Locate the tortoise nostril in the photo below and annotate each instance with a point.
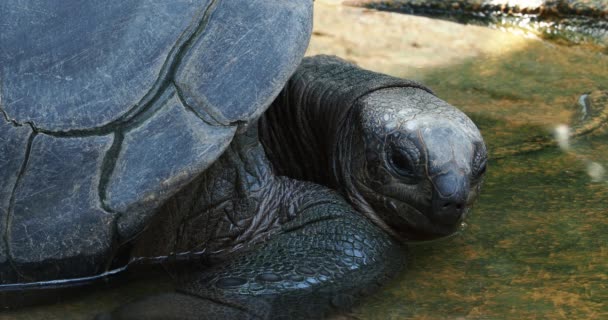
(449, 198)
(448, 211)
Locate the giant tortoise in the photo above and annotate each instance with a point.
(136, 128)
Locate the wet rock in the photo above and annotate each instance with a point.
(546, 9)
(575, 20)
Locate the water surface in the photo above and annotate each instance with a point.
(537, 242)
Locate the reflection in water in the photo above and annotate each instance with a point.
(536, 249)
(562, 136)
(595, 170)
(537, 245)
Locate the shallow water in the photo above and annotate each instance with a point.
(536, 246)
(537, 242)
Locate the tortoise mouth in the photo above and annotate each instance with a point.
(408, 222)
(414, 224)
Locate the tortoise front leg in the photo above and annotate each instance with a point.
(321, 261)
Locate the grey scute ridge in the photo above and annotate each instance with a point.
(13, 147)
(100, 64)
(159, 157)
(57, 227)
(245, 55)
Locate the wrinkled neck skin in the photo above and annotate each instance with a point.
(408, 161)
(307, 132)
(296, 139)
(311, 142)
(349, 153)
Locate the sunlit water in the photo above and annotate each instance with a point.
(536, 245)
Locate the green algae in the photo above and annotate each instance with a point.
(537, 242)
(537, 249)
(518, 98)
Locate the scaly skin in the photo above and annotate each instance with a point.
(392, 148)
(318, 245)
(409, 163)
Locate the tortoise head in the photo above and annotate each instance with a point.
(415, 164)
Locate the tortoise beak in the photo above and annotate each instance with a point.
(449, 199)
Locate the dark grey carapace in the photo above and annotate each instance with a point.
(137, 129)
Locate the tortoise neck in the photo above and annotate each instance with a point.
(302, 128)
(299, 130)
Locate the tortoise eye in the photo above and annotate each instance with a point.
(401, 163)
(480, 162)
(482, 168)
(402, 157)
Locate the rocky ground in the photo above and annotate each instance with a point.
(548, 9)
(401, 44)
(503, 74)
(573, 21)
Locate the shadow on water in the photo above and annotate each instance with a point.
(88, 301)
(537, 242)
